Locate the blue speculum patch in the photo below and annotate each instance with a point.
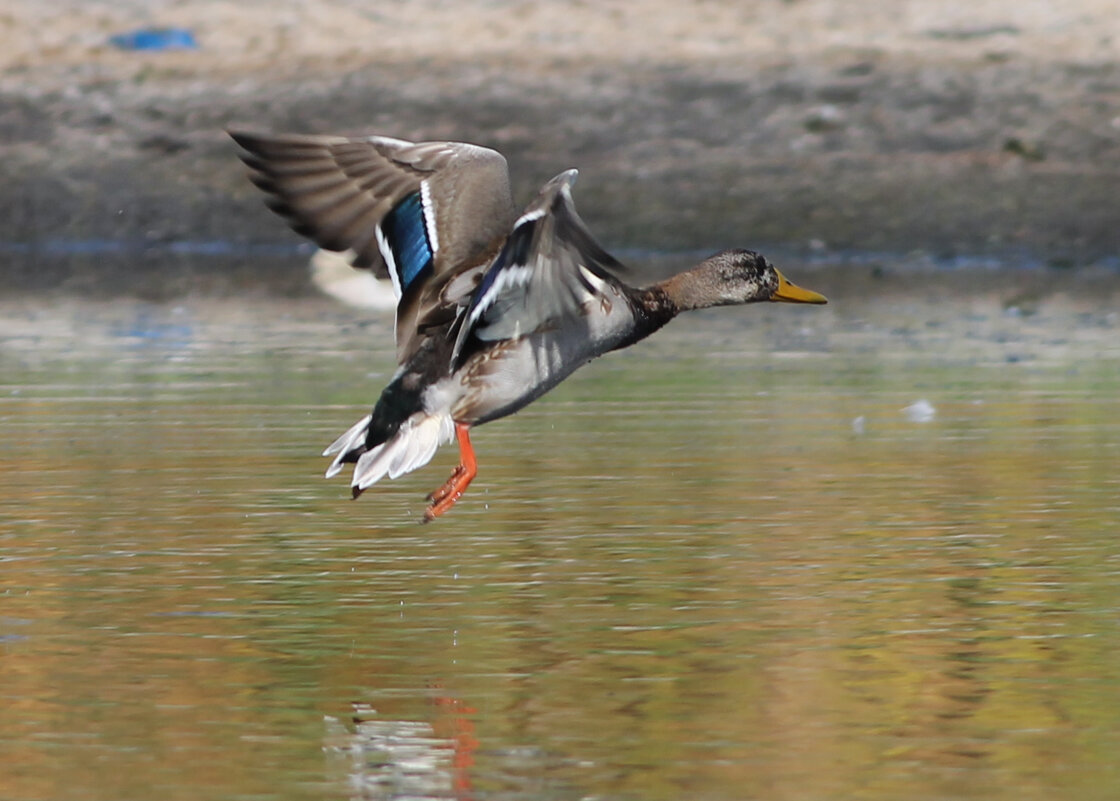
(407, 234)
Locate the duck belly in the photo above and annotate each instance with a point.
(513, 373)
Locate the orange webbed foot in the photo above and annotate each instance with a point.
(446, 496)
(435, 496)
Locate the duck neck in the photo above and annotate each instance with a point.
(656, 305)
(687, 291)
(653, 309)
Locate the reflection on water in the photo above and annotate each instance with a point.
(685, 573)
(406, 758)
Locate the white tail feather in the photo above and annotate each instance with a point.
(353, 437)
(411, 447)
(349, 439)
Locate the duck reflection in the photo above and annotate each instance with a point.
(421, 760)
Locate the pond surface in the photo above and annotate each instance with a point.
(866, 551)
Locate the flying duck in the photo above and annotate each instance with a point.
(494, 308)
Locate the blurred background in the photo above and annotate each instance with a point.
(982, 132)
(865, 550)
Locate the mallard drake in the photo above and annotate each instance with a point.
(494, 308)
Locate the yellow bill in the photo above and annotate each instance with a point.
(792, 293)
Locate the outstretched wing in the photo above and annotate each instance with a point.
(418, 213)
(550, 268)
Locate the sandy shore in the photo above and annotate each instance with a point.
(991, 130)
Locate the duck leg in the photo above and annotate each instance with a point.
(444, 497)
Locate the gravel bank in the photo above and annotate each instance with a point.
(990, 131)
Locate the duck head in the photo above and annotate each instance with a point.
(732, 277)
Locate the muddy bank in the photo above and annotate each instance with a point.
(949, 137)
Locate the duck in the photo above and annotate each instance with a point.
(496, 305)
(332, 274)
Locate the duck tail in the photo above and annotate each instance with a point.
(412, 446)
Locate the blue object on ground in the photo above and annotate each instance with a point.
(155, 39)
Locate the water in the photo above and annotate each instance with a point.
(724, 565)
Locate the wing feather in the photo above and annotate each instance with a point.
(337, 192)
(550, 268)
